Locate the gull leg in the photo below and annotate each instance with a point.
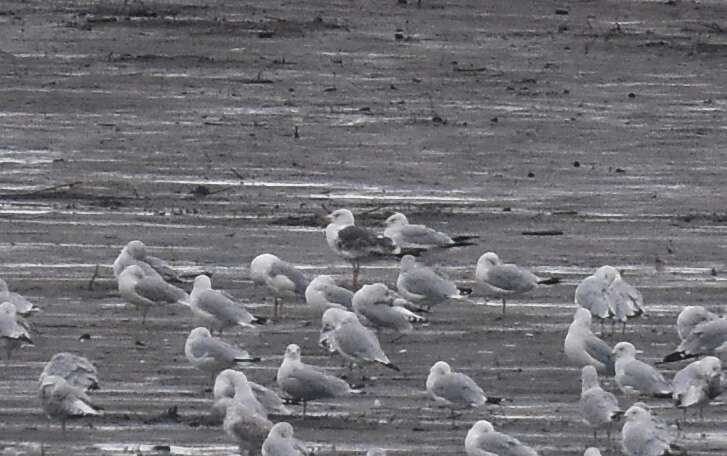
(503, 307)
(275, 308)
(356, 267)
(304, 407)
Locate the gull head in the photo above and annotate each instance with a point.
(3, 286)
(202, 282)
(440, 368)
(624, 349)
(322, 281)
(8, 308)
(136, 249)
(283, 430)
(488, 260)
(636, 413)
(607, 273)
(710, 366)
(396, 219)
(482, 427)
(292, 352)
(341, 217)
(408, 262)
(199, 332)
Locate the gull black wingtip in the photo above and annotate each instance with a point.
(549, 281)
(676, 356)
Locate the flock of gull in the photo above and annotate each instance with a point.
(351, 322)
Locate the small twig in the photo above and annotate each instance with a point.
(543, 233)
(223, 189)
(54, 187)
(237, 174)
(469, 70)
(369, 211)
(93, 278)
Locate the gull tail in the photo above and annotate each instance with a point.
(414, 251)
(494, 400)
(258, 320)
(465, 238)
(464, 291)
(617, 414)
(250, 359)
(676, 356)
(675, 450)
(662, 395)
(549, 281)
(390, 365)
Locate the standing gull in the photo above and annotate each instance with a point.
(76, 370)
(377, 304)
(625, 300)
(23, 307)
(592, 293)
(599, 408)
(697, 384)
(640, 436)
(501, 280)
(147, 291)
(301, 382)
(583, 348)
(483, 440)
(404, 234)
(708, 338)
(422, 286)
(134, 253)
(14, 330)
(354, 243)
(280, 277)
(357, 343)
(280, 442)
(330, 321)
(211, 355)
(61, 400)
(592, 451)
(217, 310)
(454, 390)
(323, 293)
(635, 376)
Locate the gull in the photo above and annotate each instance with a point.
(599, 408)
(61, 400)
(74, 369)
(323, 293)
(404, 234)
(690, 317)
(625, 301)
(248, 428)
(13, 329)
(212, 355)
(501, 280)
(376, 452)
(23, 307)
(225, 388)
(357, 344)
(134, 253)
(483, 440)
(356, 244)
(592, 293)
(634, 376)
(301, 382)
(707, 338)
(280, 277)
(592, 451)
(454, 390)
(378, 305)
(697, 384)
(147, 291)
(640, 436)
(280, 442)
(422, 286)
(583, 348)
(216, 309)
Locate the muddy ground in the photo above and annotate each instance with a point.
(215, 130)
